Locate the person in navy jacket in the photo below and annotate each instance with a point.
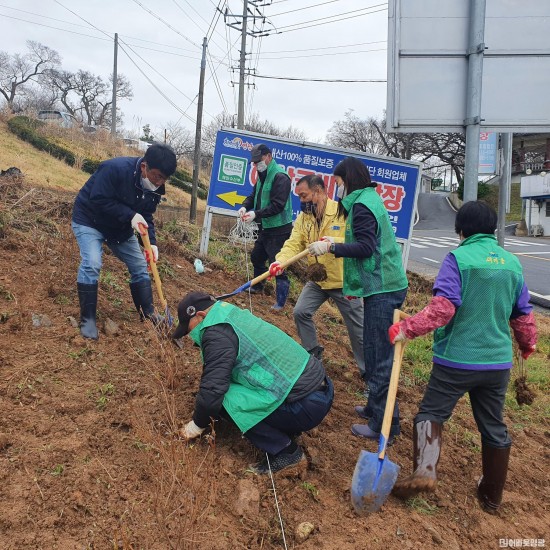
(118, 199)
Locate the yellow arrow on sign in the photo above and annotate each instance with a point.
(232, 198)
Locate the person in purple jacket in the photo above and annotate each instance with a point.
(118, 199)
(479, 293)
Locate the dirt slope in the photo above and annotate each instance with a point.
(88, 457)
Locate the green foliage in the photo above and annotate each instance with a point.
(57, 470)
(484, 190)
(26, 129)
(182, 180)
(422, 506)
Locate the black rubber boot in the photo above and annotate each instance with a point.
(282, 288)
(426, 451)
(87, 296)
(142, 294)
(491, 484)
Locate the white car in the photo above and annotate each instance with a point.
(64, 119)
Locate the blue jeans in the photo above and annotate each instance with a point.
(379, 355)
(90, 242)
(275, 432)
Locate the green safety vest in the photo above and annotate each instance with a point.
(383, 271)
(262, 199)
(492, 281)
(268, 364)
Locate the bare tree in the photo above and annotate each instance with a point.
(182, 140)
(370, 136)
(17, 71)
(87, 96)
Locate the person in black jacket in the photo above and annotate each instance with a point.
(120, 197)
(270, 205)
(253, 372)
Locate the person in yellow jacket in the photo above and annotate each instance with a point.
(318, 218)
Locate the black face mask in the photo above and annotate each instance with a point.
(308, 208)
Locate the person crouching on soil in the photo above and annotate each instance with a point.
(268, 384)
(478, 294)
(120, 197)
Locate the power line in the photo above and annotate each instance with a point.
(330, 47)
(87, 26)
(217, 83)
(155, 86)
(324, 54)
(336, 15)
(375, 80)
(165, 22)
(306, 8)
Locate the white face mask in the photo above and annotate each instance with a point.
(340, 192)
(146, 184)
(261, 166)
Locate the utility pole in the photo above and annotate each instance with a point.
(476, 48)
(240, 111)
(505, 179)
(198, 131)
(115, 77)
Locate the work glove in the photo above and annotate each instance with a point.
(155, 250)
(318, 248)
(396, 334)
(526, 352)
(249, 216)
(191, 430)
(139, 224)
(329, 239)
(241, 212)
(275, 269)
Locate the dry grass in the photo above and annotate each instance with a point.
(44, 171)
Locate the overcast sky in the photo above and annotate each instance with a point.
(167, 35)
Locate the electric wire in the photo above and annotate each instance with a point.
(164, 22)
(337, 80)
(306, 8)
(216, 82)
(155, 86)
(330, 47)
(324, 54)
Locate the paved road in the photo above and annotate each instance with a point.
(434, 236)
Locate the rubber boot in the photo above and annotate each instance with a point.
(426, 451)
(491, 484)
(87, 296)
(142, 294)
(282, 288)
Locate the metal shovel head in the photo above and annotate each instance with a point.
(372, 482)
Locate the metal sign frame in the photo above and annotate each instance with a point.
(428, 53)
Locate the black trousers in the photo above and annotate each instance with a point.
(266, 247)
(487, 391)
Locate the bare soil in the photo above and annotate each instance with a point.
(88, 452)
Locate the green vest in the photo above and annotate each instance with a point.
(268, 364)
(492, 280)
(262, 199)
(383, 271)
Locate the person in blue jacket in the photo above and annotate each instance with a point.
(120, 197)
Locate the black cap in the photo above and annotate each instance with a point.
(258, 151)
(188, 307)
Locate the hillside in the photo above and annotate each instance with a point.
(88, 452)
(45, 171)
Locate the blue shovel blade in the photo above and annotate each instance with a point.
(372, 482)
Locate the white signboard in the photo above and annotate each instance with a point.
(427, 66)
(535, 187)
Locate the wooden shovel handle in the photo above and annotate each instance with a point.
(284, 265)
(398, 315)
(153, 266)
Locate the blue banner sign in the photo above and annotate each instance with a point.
(233, 176)
(487, 153)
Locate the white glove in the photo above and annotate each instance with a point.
(138, 220)
(155, 250)
(318, 248)
(191, 430)
(249, 216)
(241, 212)
(329, 239)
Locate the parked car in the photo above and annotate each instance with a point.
(64, 119)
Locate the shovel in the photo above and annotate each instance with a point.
(156, 277)
(375, 475)
(264, 276)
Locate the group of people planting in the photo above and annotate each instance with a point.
(271, 387)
